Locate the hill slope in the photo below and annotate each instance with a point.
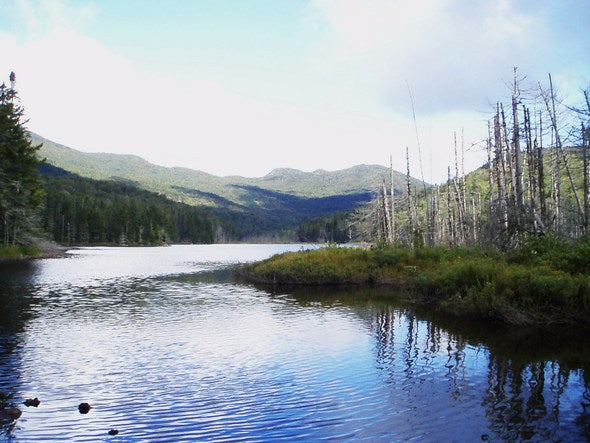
(282, 199)
(173, 181)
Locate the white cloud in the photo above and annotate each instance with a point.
(453, 54)
(79, 94)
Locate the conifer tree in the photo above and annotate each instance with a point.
(20, 187)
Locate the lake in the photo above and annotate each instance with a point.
(166, 345)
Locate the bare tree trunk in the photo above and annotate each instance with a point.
(463, 180)
(449, 210)
(516, 151)
(556, 169)
(428, 227)
(392, 199)
(409, 191)
(511, 212)
(532, 175)
(501, 171)
(585, 147)
(541, 173)
(387, 217)
(433, 220)
(490, 182)
(559, 146)
(460, 215)
(378, 216)
(458, 196)
(439, 223)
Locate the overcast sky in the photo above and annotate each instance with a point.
(245, 86)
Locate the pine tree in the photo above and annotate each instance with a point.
(20, 188)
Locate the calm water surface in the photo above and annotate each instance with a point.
(167, 346)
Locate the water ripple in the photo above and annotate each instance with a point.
(184, 353)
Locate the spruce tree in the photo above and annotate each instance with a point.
(20, 187)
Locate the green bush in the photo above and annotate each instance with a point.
(19, 251)
(389, 257)
(578, 260)
(458, 277)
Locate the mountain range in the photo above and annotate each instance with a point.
(280, 200)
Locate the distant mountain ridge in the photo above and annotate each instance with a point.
(282, 199)
(171, 180)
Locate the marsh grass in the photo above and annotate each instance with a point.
(17, 252)
(545, 280)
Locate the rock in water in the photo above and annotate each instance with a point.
(84, 408)
(32, 402)
(10, 413)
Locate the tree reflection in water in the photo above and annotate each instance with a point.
(15, 311)
(528, 372)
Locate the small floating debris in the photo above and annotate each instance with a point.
(84, 408)
(10, 413)
(113, 432)
(35, 402)
(485, 437)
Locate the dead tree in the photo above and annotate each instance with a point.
(388, 237)
(490, 181)
(516, 154)
(500, 166)
(559, 146)
(540, 170)
(585, 148)
(409, 196)
(450, 211)
(392, 199)
(458, 197)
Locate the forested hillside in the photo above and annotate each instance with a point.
(79, 210)
(197, 187)
(82, 211)
(267, 208)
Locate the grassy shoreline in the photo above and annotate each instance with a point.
(545, 281)
(9, 253)
(42, 249)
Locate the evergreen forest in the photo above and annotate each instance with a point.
(81, 211)
(21, 194)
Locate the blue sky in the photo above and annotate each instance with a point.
(242, 87)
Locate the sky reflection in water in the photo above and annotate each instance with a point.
(166, 346)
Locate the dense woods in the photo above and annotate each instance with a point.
(536, 181)
(334, 228)
(83, 211)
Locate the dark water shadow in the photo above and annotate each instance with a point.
(16, 309)
(529, 370)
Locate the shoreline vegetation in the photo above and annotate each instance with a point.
(545, 281)
(38, 250)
